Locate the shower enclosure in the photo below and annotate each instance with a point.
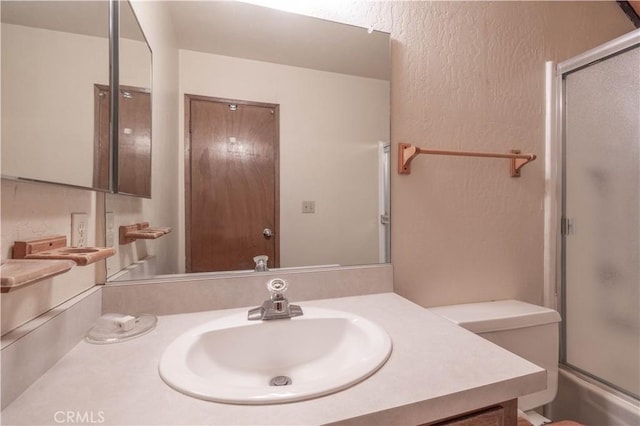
(598, 101)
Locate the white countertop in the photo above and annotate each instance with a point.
(436, 370)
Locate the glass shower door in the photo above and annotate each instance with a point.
(601, 220)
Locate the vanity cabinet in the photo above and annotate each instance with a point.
(414, 386)
(503, 414)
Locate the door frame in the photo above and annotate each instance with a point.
(555, 156)
(101, 152)
(187, 170)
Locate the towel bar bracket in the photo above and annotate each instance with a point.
(407, 152)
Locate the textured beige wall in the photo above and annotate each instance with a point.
(474, 77)
(470, 76)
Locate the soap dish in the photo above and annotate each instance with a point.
(116, 328)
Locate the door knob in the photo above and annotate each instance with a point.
(267, 232)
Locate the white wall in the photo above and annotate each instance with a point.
(162, 208)
(32, 210)
(330, 126)
(48, 78)
(135, 64)
(41, 73)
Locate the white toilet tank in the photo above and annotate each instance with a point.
(527, 330)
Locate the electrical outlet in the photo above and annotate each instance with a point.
(308, 207)
(79, 229)
(110, 230)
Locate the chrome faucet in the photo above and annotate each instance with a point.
(277, 306)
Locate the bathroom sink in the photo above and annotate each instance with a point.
(233, 360)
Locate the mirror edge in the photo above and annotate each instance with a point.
(114, 152)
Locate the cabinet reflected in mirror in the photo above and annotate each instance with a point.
(55, 55)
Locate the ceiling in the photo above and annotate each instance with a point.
(248, 31)
(78, 17)
(233, 28)
(229, 28)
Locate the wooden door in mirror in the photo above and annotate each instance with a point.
(134, 141)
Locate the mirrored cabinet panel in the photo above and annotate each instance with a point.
(133, 172)
(55, 83)
(56, 95)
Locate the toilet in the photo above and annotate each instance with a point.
(527, 330)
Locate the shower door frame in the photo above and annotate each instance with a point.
(554, 296)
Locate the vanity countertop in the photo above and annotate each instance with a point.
(436, 370)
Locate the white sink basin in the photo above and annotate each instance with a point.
(233, 360)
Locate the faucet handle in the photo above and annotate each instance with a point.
(277, 286)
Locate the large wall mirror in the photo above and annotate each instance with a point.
(320, 91)
(55, 59)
